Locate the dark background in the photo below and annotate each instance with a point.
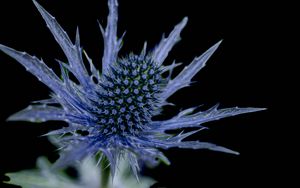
(249, 69)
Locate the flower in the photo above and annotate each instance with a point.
(112, 112)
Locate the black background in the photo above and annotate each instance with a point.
(249, 69)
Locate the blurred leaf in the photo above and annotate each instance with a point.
(89, 177)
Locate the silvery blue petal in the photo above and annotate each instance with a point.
(166, 44)
(183, 79)
(111, 44)
(197, 119)
(72, 52)
(38, 113)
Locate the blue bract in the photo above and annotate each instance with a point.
(112, 112)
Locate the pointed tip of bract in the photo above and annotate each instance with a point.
(215, 46)
(77, 37)
(10, 118)
(185, 20)
(5, 49)
(260, 109)
(220, 41)
(11, 52)
(38, 6)
(183, 23)
(14, 117)
(232, 152)
(42, 11)
(224, 150)
(252, 109)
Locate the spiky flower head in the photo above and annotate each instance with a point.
(112, 112)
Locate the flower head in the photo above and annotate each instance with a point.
(112, 112)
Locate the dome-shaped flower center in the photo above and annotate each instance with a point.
(130, 95)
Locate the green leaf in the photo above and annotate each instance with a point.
(89, 177)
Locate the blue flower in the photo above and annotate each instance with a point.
(112, 112)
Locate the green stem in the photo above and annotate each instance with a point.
(105, 173)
